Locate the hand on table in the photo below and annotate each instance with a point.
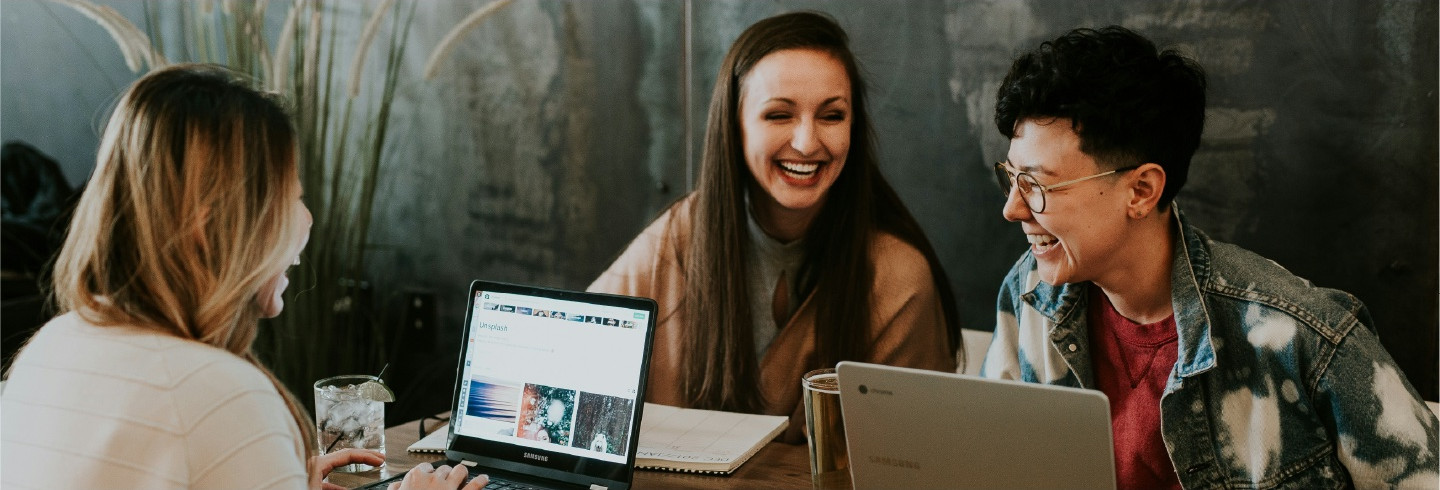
(326, 463)
(424, 476)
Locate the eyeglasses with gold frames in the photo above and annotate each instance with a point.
(1032, 190)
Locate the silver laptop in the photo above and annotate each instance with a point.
(549, 387)
(925, 429)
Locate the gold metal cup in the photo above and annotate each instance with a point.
(825, 429)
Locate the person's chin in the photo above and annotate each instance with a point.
(272, 308)
(271, 303)
(799, 204)
(1052, 274)
(802, 199)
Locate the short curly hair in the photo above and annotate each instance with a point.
(1129, 102)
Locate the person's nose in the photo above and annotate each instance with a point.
(1015, 208)
(804, 139)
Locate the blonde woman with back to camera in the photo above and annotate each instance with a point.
(178, 247)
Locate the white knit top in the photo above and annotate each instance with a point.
(766, 261)
(122, 407)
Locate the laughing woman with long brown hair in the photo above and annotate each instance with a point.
(178, 247)
(793, 253)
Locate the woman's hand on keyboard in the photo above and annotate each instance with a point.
(424, 476)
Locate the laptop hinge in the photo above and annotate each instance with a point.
(597, 486)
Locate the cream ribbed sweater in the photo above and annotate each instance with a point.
(120, 407)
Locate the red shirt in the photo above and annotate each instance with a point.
(1132, 362)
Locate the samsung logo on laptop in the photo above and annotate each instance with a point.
(536, 457)
(896, 462)
(865, 390)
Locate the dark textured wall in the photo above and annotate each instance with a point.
(1320, 150)
(559, 129)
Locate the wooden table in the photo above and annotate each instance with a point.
(777, 465)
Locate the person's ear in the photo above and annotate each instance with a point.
(1147, 184)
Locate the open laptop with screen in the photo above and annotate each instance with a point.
(550, 386)
(927, 429)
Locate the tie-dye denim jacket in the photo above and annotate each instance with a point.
(1278, 383)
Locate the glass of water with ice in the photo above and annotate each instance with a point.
(350, 412)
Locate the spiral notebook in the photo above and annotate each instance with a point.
(702, 441)
(434, 442)
(680, 439)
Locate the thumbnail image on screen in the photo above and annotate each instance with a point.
(603, 423)
(496, 402)
(545, 414)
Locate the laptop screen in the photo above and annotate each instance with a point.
(552, 379)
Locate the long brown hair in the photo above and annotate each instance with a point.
(187, 215)
(722, 371)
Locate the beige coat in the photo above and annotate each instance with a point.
(908, 327)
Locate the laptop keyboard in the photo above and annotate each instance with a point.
(496, 482)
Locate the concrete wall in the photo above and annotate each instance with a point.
(559, 129)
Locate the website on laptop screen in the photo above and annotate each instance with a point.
(552, 374)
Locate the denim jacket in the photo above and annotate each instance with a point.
(1277, 383)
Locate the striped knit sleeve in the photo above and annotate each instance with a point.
(238, 432)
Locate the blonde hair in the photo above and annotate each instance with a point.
(188, 215)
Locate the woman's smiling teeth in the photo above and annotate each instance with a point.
(1042, 243)
(800, 170)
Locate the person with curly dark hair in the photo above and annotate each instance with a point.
(1221, 367)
